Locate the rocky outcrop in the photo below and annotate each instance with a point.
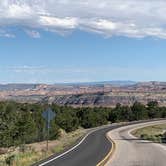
(102, 94)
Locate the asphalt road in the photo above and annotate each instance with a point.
(131, 151)
(90, 152)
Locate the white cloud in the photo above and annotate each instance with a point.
(19, 11)
(64, 23)
(33, 33)
(27, 69)
(4, 33)
(130, 18)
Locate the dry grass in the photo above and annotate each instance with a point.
(37, 151)
(153, 133)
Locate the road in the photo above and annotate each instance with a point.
(131, 151)
(91, 151)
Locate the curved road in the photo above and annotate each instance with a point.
(90, 152)
(131, 151)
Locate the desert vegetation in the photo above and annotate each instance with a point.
(22, 124)
(155, 133)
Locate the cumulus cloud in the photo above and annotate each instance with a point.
(131, 18)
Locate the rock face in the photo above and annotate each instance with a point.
(90, 94)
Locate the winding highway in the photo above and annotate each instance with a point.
(90, 152)
(131, 151)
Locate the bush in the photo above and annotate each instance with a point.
(144, 136)
(23, 123)
(164, 138)
(10, 160)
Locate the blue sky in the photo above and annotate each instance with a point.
(71, 46)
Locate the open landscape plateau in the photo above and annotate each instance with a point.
(105, 94)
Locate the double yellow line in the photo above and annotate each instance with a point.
(109, 155)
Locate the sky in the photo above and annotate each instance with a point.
(56, 41)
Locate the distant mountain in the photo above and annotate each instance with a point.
(120, 83)
(115, 83)
(12, 87)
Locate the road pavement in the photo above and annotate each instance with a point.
(131, 151)
(89, 153)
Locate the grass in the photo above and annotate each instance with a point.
(153, 133)
(37, 151)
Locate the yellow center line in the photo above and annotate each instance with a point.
(108, 156)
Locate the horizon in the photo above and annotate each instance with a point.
(92, 82)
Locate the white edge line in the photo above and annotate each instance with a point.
(73, 147)
(98, 128)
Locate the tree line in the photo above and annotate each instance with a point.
(23, 123)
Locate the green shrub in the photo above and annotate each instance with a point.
(10, 160)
